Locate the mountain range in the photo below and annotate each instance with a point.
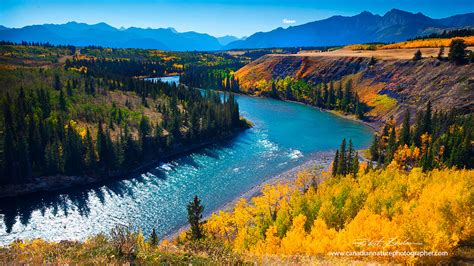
(395, 25)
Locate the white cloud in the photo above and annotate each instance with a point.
(289, 21)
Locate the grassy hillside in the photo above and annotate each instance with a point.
(388, 87)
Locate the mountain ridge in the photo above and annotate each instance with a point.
(395, 25)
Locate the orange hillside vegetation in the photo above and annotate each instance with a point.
(425, 43)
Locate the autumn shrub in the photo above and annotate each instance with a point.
(430, 211)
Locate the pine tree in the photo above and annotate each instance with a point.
(374, 149)
(195, 210)
(69, 88)
(335, 163)
(274, 91)
(441, 53)
(91, 157)
(418, 129)
(144, 130)
(57, 83)
(426, 124)
(350, 156)
(342, 162)
(62, 101)
(355, 165)
(391, 146)
(372, 61)
(102, 147)
(153, 238)
(457, 52)
(73, 152)
(417, 56)
(346, 98)
(10, 168)
(405, 133)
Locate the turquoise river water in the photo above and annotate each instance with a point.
(285, 135)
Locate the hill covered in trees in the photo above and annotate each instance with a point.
(85, 118)
(384, 87)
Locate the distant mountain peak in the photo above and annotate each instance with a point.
(103, 26)
(173, 30)
(365, 13)
(224, 40)
(395, 25)
(398, 11)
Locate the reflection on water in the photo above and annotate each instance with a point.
(170, 79)
(285, 135)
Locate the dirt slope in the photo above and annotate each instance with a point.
(389, 86)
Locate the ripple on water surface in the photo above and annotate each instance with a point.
(285, 135)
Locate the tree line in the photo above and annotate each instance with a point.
(207, 78)
(331, 96)
(116, 68)
(446, 34)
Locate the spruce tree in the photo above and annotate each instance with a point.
(57, 83)
(374, 149)
(355, 165)
(10, 167)
(417, 56)
(102, 146)
(144, 130)
(391, 146)
(335, 163)
(91, 157)
(441, 53)
(153, 238)
(346, 98)
(195, 210)
(350, 156)
(405, 133)
(426, 124)
(457, 52)
(342, 163)
(62, 101)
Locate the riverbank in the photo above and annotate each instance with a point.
(319, 161)
(376, 125)
(45, 184)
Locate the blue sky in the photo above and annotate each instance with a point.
(216, 17)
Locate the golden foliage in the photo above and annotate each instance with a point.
(420, 211)
(425, 43)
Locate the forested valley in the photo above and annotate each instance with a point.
(93, 117)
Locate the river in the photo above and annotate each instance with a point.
(285, 135)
